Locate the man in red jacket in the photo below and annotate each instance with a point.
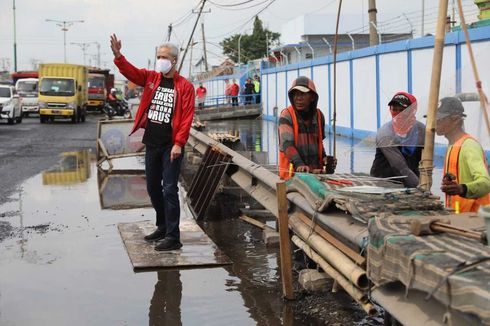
(165, 112)
(234, 91)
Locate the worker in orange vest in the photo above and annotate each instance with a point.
(466, 181)
(301, 133)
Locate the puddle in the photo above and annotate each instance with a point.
(63, 263)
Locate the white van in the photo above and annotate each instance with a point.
(27, 89)
(10, 107)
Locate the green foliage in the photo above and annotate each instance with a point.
(252, 46)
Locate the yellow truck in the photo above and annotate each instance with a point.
(63, 92)
(73, 167)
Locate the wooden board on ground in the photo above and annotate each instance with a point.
(197, 251)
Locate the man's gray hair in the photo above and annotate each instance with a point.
(174, 50)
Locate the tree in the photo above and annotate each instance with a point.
(252, 46)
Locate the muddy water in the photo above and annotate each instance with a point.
(62, 261)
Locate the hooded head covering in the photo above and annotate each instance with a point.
(305, 85)
(403, 121)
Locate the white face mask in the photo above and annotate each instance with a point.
(163, 65)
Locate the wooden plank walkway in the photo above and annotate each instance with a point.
(198, 249)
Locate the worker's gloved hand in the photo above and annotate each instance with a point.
(303, 168)
(329, 163)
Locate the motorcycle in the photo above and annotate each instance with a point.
(117, 108)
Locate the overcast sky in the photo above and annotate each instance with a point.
(142, 24)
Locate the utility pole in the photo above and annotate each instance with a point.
(64, 24)
(373, 32)
(84, 47)
(169, 32)
(204, 48)
(423, 19)
(98, 52)
(190, 59)
(15, 40)
(192, 34)
(154, 60)
(267, 46)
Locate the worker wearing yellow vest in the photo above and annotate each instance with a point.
(466, 181)
(301, 133)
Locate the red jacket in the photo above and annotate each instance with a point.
(235, 89)
(150, 80)
(201, 92)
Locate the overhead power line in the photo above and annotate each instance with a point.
(246, 22)
(230, 5)
(203, 2)
(243, 8)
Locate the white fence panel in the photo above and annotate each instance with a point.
(365, 94)
(343, 94)
(320, 77)
(392, 78)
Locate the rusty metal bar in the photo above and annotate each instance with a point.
(199, 173)
(215, 177)
(201, 185)
(206, 180)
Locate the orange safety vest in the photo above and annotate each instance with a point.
(285, 172)
(451, 165)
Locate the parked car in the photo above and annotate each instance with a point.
(10, 104)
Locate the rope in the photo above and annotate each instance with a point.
(427, 172)
(483, 98)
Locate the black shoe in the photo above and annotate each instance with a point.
(155, 236)
(168, 244)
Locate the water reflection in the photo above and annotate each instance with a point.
(167, 297)
(122, 190)
(259, 142)
(255, 273)
(73, 167)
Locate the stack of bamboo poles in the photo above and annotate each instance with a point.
(339, 261)
(198, 125)
(231, 136)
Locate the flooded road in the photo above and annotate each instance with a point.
(62, 261)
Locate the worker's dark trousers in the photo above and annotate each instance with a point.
(162, 177)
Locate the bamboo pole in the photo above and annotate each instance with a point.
(353, 291)
(331, 254)
(284, 244)
(483, 98)
(427, 161)
(254, 222)
(334, 118)
(356, 257)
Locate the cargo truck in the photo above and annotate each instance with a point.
(63, 92)
(100, 82)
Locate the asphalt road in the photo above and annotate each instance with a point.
(30, 147)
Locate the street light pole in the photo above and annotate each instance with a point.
(15, 40)
(239, 53)
(98, 52)
(64, 24)
(84, 47)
